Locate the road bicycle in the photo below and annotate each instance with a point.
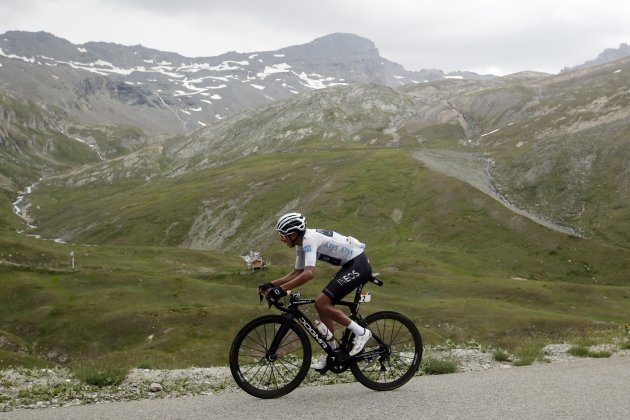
(271, 355)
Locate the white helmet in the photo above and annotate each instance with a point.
(291, 222)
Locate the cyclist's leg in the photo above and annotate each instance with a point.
(329, 314)
(352, 274)
(347, 279)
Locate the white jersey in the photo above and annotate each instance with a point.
(328, 246)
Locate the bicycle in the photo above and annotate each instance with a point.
(271, 355)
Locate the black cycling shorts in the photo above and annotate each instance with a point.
(353, 273)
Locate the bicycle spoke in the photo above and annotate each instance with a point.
(393, 359)
(267, 375)
(272, 375)
(262, 350)
(284, 344)
(281, 375)
(262, 377)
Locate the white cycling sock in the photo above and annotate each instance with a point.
(356, 328)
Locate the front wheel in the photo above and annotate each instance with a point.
(392, 356)
(261, 373)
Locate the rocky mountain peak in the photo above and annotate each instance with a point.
(164, 92)
(606, 56)
(337, 45)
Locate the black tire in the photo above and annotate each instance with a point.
(264, 378)
(398, 365)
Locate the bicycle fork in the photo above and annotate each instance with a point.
(272, 352)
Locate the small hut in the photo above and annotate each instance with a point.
(254, 261)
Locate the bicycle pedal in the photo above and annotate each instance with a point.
(322, 371)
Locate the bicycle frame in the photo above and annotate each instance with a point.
(292, 312)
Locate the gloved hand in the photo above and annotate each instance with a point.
(262, 288)
(276, 293)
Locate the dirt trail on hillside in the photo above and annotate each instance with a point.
(477, 171)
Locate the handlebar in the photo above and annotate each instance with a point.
(277, 303)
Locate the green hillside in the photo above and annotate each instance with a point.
(157, 234)
(38, 140)
(457, 262)
(384, 196)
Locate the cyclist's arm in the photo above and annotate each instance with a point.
(283, 280)
(296, 281)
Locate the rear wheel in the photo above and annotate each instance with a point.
(266, 375)
(395, 349)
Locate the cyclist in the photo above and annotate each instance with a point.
(334, 248)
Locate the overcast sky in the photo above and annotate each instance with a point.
(485, 36)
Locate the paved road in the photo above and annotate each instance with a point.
(584, 389)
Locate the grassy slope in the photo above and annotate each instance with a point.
(560, 143)
(569, 160)
(453, 260)
(408, 214)
(115, 299)
(37, 140)
(33, 143)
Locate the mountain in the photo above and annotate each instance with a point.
(551, 148)
(540, 144)
(166, 93)
(606, 56)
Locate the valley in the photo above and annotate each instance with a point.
(496, 209)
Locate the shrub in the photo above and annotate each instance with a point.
(101, 374)
(599, 354)
(66, 391)
(501, 356)
(527, 355)
(432, 366)
(524, 361)
(578, 351)
(581, 351)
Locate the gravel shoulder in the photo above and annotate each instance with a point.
(22, 389)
